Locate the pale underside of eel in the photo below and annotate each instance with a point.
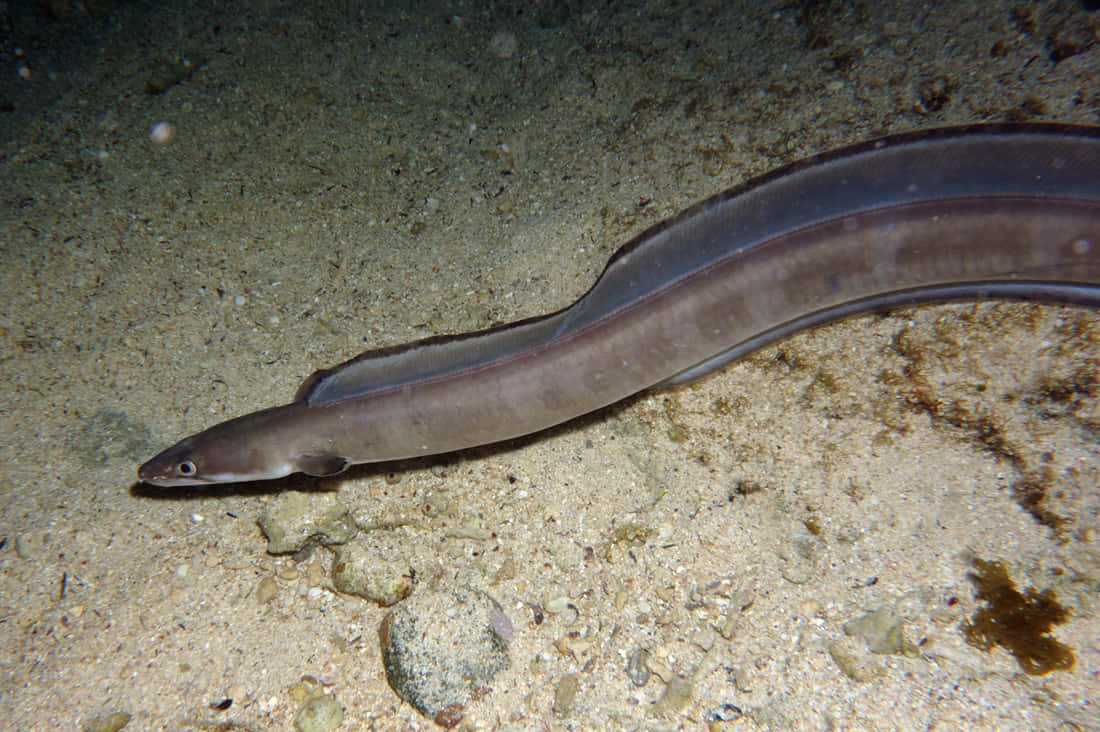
(986, 211)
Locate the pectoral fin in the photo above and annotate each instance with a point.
(321, 465)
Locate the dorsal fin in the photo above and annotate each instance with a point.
(386, 368)
(306, 386)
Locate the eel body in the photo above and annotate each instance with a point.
(986, 211)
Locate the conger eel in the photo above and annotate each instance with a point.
(1000, 210)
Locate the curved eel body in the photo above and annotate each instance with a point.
(1005, 211)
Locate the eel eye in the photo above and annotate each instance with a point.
(186, 469)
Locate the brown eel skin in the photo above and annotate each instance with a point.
(984, 211)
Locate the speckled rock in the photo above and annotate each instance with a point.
(441, 648)
(294, 518)
(372, 567)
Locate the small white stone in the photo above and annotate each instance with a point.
(162, 133)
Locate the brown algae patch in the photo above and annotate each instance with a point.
(1018, 622)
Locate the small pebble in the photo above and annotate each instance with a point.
(112, 722)
(725, 713)
(315, 575)
(162, 133)
(321, 713)
(503, 45)
(564, 693)
(883, 630)
(675, 697)
(637, 667)
(856, 665)
(266, 590)
(288, 573)
(302, 690)
(29, 545)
